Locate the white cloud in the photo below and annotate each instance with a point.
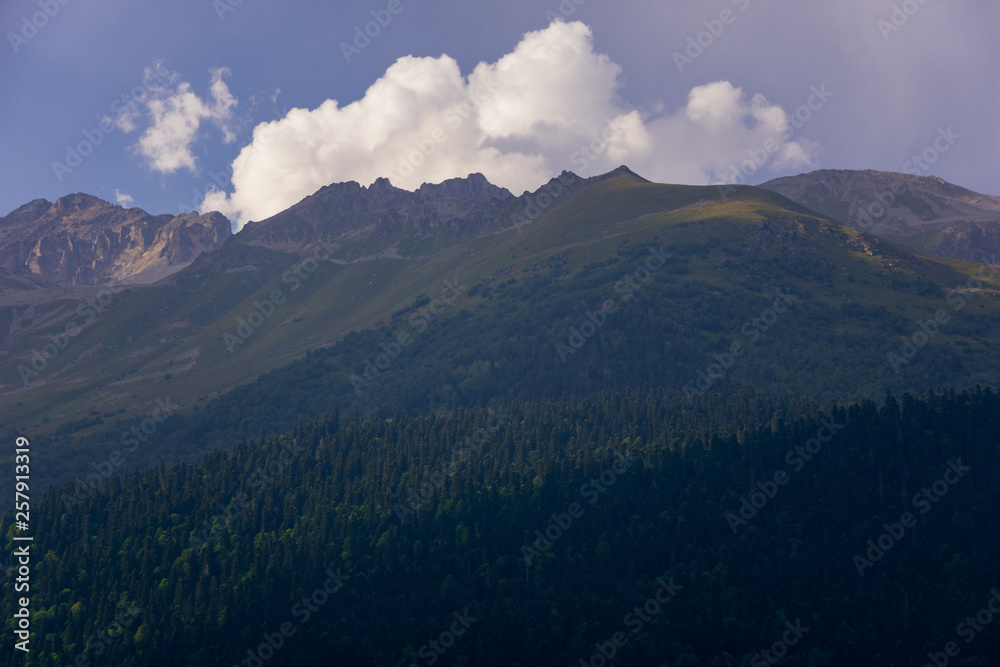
(123, 199)
(550, 104)
(719, 132)
(175, 115)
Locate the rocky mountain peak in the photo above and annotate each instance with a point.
(924, 212)
(379, 211)
(623, 172)
(83, 240)
(473, 188)
(381, 185)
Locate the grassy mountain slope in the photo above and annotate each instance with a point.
(511, 333)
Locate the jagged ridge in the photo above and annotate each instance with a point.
(82, 240)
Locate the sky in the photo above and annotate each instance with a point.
(248, 106)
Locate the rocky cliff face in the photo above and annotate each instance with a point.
(926, 213)
(379, 212)
(81, 240)
(381, 215)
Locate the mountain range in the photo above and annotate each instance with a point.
(457, 403)
(94, 343)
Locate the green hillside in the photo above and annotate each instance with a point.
(566, 305)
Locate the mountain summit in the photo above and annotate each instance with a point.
(923, 212)
(379, 212)
(81, 240)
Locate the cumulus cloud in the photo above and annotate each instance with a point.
(719, 133)
(123, 199)
(175, 114)
(550, 104)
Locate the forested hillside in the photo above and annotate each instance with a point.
(542, 533)
(803, 324)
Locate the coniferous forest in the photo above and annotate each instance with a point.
(633, 528)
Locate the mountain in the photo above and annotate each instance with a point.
(81, 240)
(382, 216)
(923, 212)
(553, 300)
(383, 220)
(472, 407)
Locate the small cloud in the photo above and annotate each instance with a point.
(123, 199)
(175, 116)
(127, 112)
(261, 98)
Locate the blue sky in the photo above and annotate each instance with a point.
(680, 91)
